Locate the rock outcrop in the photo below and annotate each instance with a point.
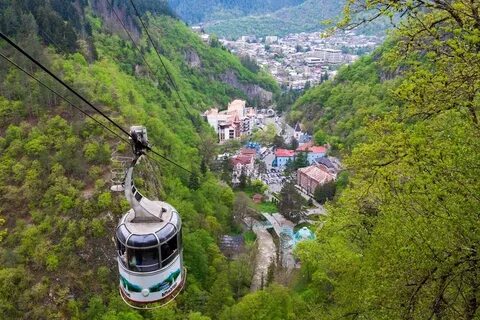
(252, 91)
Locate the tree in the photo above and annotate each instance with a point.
(293, 144)
(291, 202)
(320, 137)
(243, 179)
(227, 170)
(324, 192)
(241, 207)
(221, 295)
(261, 167)
(278, 142)
(194, 181)
(408, 230)
(275, 302)
(301, 160)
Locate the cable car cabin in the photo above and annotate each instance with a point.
(149, 245)
(150, 256)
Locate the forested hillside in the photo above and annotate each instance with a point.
(57, 214)
(402, 241)
(305, 17)
(342, 108)
(195, 11)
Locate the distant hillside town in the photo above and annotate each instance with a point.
(301, 60)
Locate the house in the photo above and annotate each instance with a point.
(297, 131)
(231, 246)
(282, 157)
(327, 163)
(243, 162)
(313, 152)
(309, 178)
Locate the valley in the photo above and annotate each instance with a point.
(284, 175)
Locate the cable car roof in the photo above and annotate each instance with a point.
(142, 234)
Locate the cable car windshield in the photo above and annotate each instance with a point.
(143, 260)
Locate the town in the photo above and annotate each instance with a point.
(301, 60)
(281, 169)
(273, 161)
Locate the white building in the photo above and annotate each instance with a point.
(233, 123)
(271, 39)
(328, 55)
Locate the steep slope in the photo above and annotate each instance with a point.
(341, 108)
(401, 241)
(57, 215)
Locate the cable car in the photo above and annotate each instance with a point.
(149, 242)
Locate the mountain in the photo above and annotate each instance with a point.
(305, 17)
(57, 214)
(401, 240)
(197, 11)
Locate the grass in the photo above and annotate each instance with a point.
(268, 207)
(249, 237)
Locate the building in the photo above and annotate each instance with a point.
(328, 55)
(309, 178)
(313, 61)
(271, 39)
(313, 152)
(282, 157)
(247, 116)
(244, 162)
(205, 38)
(233, 123)
(297, 131)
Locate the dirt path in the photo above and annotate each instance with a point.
(267, 254)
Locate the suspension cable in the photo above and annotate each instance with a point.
(62, 97)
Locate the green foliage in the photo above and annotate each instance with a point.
(305, 16)
(403, 230)
(338, 111)
(291, 202)
(276, 302)
(301, 160)
(198, 11)
(266, 135)
(268, 207)
(320, 137)
(324, 192)
(55, 165)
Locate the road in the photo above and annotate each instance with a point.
(267, 254)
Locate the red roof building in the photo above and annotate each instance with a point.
(242, 160)
(247, 151)
(284, 153)
(310, 177)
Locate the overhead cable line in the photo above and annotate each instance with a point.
(172, 82)
(168, 160)
(79, 96)
(131, 37)
(41, 66)
(62, 97)
(52, 42)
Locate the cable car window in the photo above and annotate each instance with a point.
(169, 250)
(143, 260)
(121, 253)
